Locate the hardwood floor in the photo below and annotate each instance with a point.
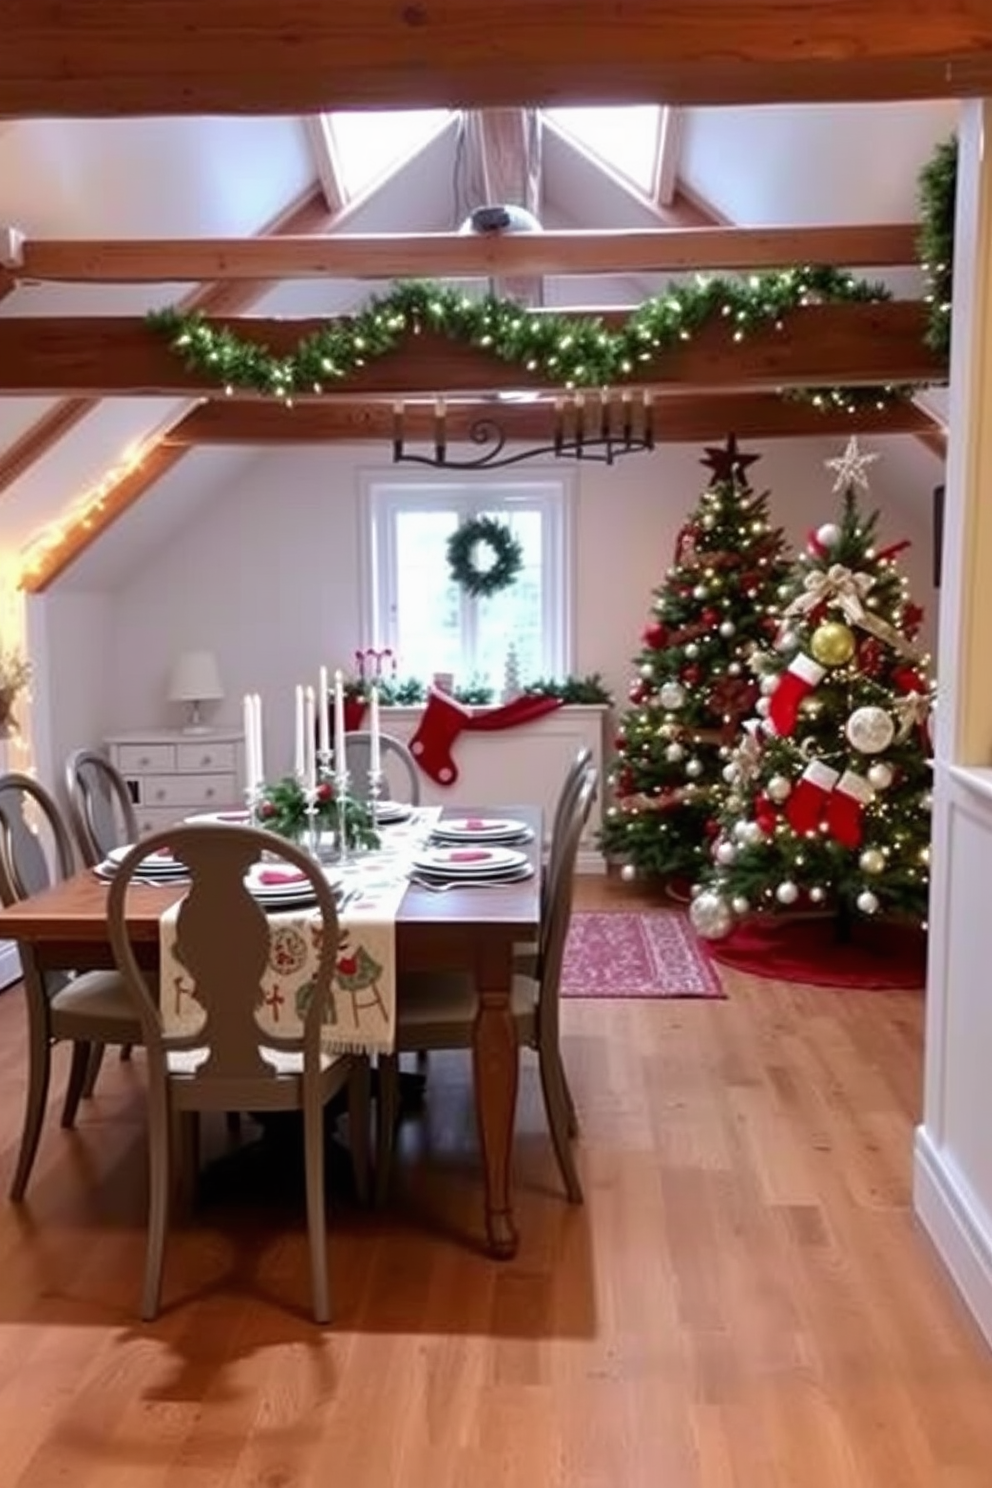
(744, 1301)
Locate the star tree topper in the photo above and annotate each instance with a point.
(727, 461)
(851, 467)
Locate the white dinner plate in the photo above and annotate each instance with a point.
(456, 861)
(159, 865)
(219, 819)
(478, 828)
(392, 811)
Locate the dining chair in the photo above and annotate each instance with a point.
(437, 1011)
(88, 1010)
(102, 815)
(526, 953)
(230, 1062)
(100, 807)
(398, 765)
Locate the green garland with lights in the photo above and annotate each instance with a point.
(935, 242)
(564, 350)
(572, 352)
(283, 809)
(507, 556)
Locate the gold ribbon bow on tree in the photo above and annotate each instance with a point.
(848, 590)
(912, 711)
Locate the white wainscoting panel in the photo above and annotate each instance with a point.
(953, 1153)
(524, 765)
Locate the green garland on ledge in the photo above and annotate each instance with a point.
(935, 243)
(283, 810)
(507, 556)
(563, 350)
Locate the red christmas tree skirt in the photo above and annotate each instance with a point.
(878, 956)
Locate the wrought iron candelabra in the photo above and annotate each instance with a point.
(585, 427)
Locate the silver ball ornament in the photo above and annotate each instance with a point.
(763, 707)
(768, 684)
(734, 669)
(786, 640)
(754, 836)
(727, 628)
(867, 902)
(829, 535)
(725, 853)
(739, 904)
(787, 893)
(700, 591)
(672, 695)
(711, 915)
(646, 669)
(674, 753)
(694, 769)
(729, 773)
(692, 650)
(880, 775)
(779, 789)
(628, 873)
(708, 522)
(870, 729)
(872, 860)
(817, 895)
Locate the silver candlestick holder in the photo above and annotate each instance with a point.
(254, 796)
(311, 799)
(342, 782)
(377, 780)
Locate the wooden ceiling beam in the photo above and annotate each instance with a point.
(678, 420)
(102, 58)
(308, 213)
(294, 255)
(45, 563)
(819, 344)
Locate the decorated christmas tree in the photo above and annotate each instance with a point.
(829, 808)
(692, 685)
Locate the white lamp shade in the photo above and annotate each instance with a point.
(195, 678)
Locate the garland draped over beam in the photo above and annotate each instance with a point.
(935, 244)
(565, 351)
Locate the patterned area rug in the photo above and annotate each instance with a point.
(620, 954)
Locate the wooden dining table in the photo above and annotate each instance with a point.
(473, 929)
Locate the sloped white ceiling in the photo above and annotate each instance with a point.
(812, 164)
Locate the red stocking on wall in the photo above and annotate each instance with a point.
(442, 722)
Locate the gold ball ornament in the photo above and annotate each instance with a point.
(832, 643)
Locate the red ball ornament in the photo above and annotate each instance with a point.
(655, 636)
(691, 675)
(710, 617)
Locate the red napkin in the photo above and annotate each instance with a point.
(476, 824)
(469, 855)
(163, 852)
(280, 875)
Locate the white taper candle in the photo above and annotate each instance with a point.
(259, 752)
(323, 721)
(375, 755)
(340, 760)
(248, 713)
(311, 741)
(299, 752)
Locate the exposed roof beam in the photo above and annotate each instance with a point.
(819, 344)
(678, 419)
(103, 58)
(325, 158)
(666, 175)
(306, 214)
(402, 255)
(53, 560)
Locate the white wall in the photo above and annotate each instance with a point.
(266, 573)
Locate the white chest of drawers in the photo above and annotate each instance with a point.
(172, 775)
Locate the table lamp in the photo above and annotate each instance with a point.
(195, 680)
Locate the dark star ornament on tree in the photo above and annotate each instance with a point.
(727, 462)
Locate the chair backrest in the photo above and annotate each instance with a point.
(581, 770)
(569, 789)
(35, 848)
(223, 942)
(398, 765)
(558, 916)
(100, 806)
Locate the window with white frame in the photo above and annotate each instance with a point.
(413, 606)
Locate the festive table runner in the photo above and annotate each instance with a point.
(362, 1011)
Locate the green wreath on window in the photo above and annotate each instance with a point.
(463, 559)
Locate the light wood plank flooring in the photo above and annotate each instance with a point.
(744, 1301)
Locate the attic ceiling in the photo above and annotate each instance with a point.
(185, 177)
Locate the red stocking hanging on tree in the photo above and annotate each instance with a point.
(845, 812)
(798, 680)
(808, 801)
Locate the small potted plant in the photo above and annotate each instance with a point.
(15, 674)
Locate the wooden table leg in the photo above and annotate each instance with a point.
(496, 1068)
